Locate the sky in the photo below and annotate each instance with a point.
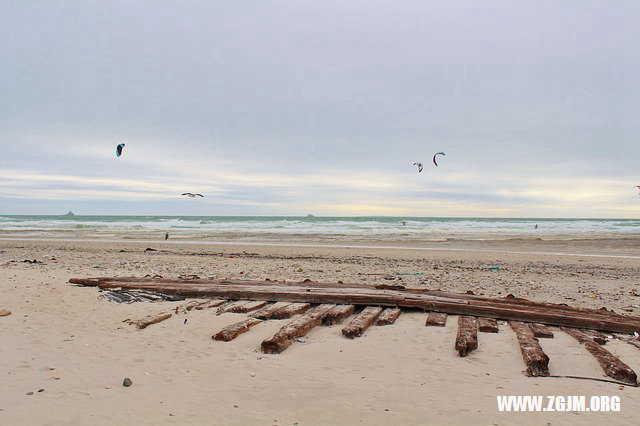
(296, 107)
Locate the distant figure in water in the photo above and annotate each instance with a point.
(166, 235)
(535, 227)
(404, 223)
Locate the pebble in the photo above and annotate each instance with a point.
(127, 382)
(29, 393)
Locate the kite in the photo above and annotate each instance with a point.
(119, 149)
(434, 157)
(419, 166)
(192, 195)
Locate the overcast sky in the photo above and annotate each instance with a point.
(296, 107)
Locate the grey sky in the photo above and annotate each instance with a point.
(288, 107)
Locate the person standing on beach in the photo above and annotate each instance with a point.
(166, 235)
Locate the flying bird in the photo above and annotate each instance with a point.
(119, 149)
(192, 195)
(419, 166)
(436, 154)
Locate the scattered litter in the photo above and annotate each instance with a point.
(593, 296)
(409, 273)
(31, 261)
(391, 278)
(185, 321)
(120, 295)
(127, 382)
(150, 249)
(494, 268)
(300, 340)
(98, 266)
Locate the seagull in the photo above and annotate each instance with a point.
(192, 195)
(419, 166)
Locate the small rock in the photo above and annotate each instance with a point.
(127, 382)
(235, 406)
(29, 393)
(40, 390)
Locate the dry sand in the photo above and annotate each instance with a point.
(66, 340)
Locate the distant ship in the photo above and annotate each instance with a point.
(310, 215)
(70, 213)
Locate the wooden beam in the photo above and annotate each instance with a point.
(229, 307)
(436, 319)
(541, 331)
(389, 316)
(232, 331)
(508, 308)
(249, 306)
(535, 359)
(488, 325)
(268, 311)
(611, 364)
(212, 304)
(338, 314)
(359, 324)
(596, 336)
(290, 310)
(297, 328)
(467, 338)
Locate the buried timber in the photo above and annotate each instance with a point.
(310, 304)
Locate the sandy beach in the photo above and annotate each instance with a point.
(75, 346)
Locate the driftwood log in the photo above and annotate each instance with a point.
(231, 306)
(389, 316)
(541, 331)
(249, 306)
(467, 338)
(488, 325)
(338, 314)
(611, 364)
(211, 304)
(151, 319)
(535, 359)
(436, 319)
(360, 323)
(299, 327)
(508, 308)
(290, 310)
(232, 331)
(267, 311)
(596, 336)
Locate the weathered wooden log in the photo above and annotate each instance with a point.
(611, 365)
(4, 312)
(488, 325)
(211, 304)
(232, 331)
(297, 328)
(269, 310)
(338, 314)
(388, 316)
(508, 308)
(535, 359)
(290, 310)
(151, 319)
(541, 331)
(596, 336)
(467, 338)
(436, 319)
(359, 324)
(229, 307)
(249, 306)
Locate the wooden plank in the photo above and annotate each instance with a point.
(338, 314)
(151, 319)
(290, 310)
(269, 310)
(436, 319)
(611, 365)
(541, 331)
(389, 316)
(229, 307)
(297, 328)
(488, 325)
(232, 331)
(535, 359)
(249, 306)
(212, 304)
(509, 308)
(359, 324)
(467, 338)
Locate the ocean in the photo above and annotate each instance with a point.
(330, 228)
